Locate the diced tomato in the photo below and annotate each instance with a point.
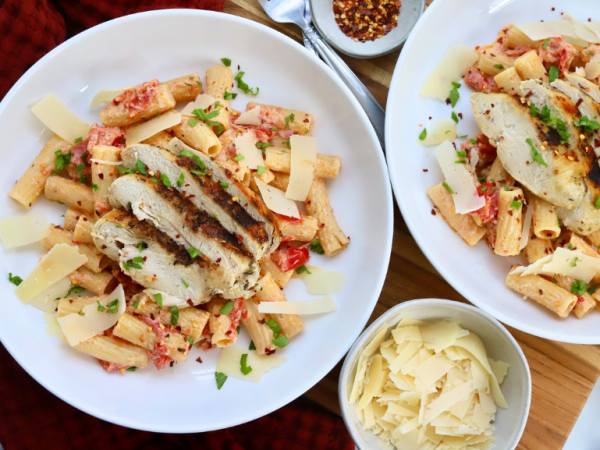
(486, 189)
(475, 79)
(291, 219)
(290, 258)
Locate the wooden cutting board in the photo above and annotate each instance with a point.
(563, 375)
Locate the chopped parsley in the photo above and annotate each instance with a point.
(316, 247)
(190, 339)
(280, 340)
(507, 188)
(185, 284)
(199, 83)
(119, 226)
(423, 134)
(180, 180)
(587, 124)
(221, 379)
(535, 154)
(229, 95)
(303, 269)
(239, 157)
(553, 73)
(100, 307)
(499, 66)
(516, 204)
(575, 262)
(570, 246)
(454, 117)
(94, 187)
(201, 174)
(448, 188)
(194, 252)
(62, 161)
(592, 288)
(546, 42)
(192, 122)
(534, 109)
(226, 62)
(244, 364)
(75, 290)
(597, 203)
(227, 308)
(154, 180)
(124, 170)
(141, 167)
(158, 298)
(274, 326)
(79, 139)
(136, 304)
(79, 167)
(14, 280)
(174, 315)
(165, 179)
(128, 264)
(454, 95)
(263, 145)
(473, 141)
(243, 86)
(112, 307)
(287, 144)
(252, 346)
(578, 287)
(289, 119)
(132, 369)
(194, 158)
(260, 170)
(224, 184)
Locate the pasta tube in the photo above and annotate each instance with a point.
(290, 324)
(305, 231)
(530, 65)
(98, 283)
(114, 351)
(332, 238)
(256, 324)
(463, 224)
(508, 231)
(186, 88)
(70, 192)
(268, 266)
(219, 79)
(275, 116)
(198, 135)
(83, 230)
(545, 220)
(279, 158)
(538, 249)
(221, 332)
(57, 235)
(72, 216)
(103, 175)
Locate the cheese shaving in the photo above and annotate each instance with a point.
(60, 120)
(316, 306)
(571, 263)
(438, 131)
(47, 301)
(230, 358)
(251, 117)
(537, 31)
(322, 282)
(526, 227)
(459, 179)
(450, 69)
(246, 146)
(302, 166)
(23, 230)
(105, 96)
(202, 101)
(275, 200)
(433, 396)
(139, 133)
(592, 69)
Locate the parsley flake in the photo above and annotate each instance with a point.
(227, 308)
(535, 154)
(448, 188)
(14, 280)
(221, 379)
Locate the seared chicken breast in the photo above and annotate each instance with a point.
(166, 209)
(211, 189)
(508, 123)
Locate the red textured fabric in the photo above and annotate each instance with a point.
(31, 417)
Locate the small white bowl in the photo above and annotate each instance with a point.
(324, 20)
(500, 345)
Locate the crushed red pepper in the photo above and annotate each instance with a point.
(366, 20)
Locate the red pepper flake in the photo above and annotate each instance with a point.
(432, 212)
(425, 170)
(189, 302)
(199, 360)
(553, 8)
(268, 351)
(366, 20)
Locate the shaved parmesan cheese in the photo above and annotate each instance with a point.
(499, 368)
(52, 328)
(251, 117)
(108, 163)
(594, 27)
(474, 157)
(526, 227)
(141, 132)
(275, 200)
(60, 261)
(105, 96)
(592, 69)
(563, 262)
(362, 363)
(373, 380)
(536, 31)
(47, 300)
(60, 120)
(465, 196)
(230, 358)
(202, 101)
(582, 32)
(580, 71)
(23, 230)
(450, 69)
(302, 166)
(246, 145)
(433, 369)
(90, 322)
(445, 401)
(322, 282)
(438, 131)
(168, 300)
(316, 306)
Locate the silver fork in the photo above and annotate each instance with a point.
(307, 44)
(293, 11)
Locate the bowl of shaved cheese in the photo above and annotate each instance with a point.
(435, 374)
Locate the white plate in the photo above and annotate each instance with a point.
(167, 44)
(473, 271)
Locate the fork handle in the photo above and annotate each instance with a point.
(371, 106)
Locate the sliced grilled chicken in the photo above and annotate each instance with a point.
(183, 222)
(584, 219)
(584, 84)
(508, 124)
(584, 100)
(563, 108)
(212, 190)
(164, 265)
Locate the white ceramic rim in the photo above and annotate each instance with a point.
(543, 333)
(261, 410)
(367, 334)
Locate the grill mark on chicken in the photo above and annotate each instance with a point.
(551, 136)
(179, 252)
(225, 200)
(200, 220)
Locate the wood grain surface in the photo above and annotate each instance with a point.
(563, 375)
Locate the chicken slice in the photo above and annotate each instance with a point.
(508, 124)
(176, 216)
(213, 191)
